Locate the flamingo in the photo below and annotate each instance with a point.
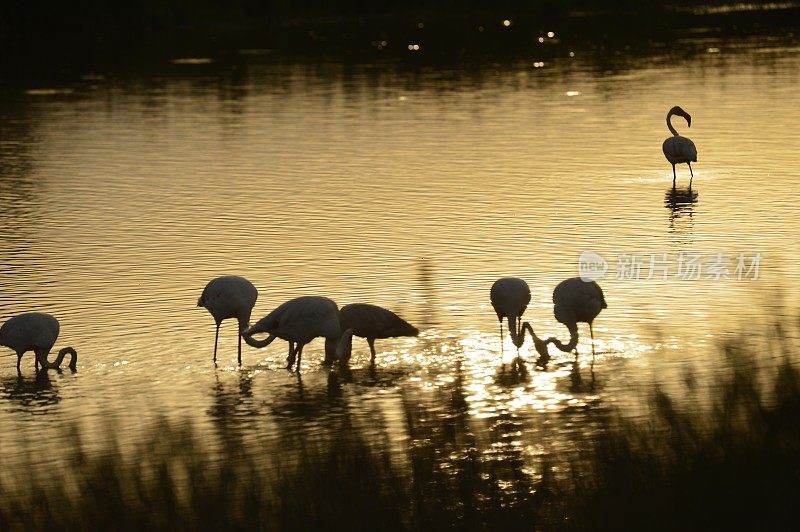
(37, 332)
(370, 322)
(229, 296)
(679, 149)
(574, 301)
(510, 297)
(299, 321)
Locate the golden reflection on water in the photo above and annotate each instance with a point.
(411, 190)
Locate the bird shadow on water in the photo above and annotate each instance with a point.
(371, 376)
(31, 392)
(582, 382)
(514, 373)
(681, 203)
(304, 396)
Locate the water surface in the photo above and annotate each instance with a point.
(409, 186)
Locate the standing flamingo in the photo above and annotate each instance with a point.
(576, 300)
(300, 320)
(37, 332)
(226, 297)
(370, 322)
(679, 149)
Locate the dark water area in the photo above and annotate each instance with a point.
(59, 41)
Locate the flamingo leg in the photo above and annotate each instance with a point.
(691, 174)
(292, 354)
(299, 356)
(501, 340)
(216, 337)
(371, 342)
(673, 176)
(19, 359)
(240, 347)
(591, 332)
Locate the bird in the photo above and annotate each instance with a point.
(370, 322)
(510, 297)
(229, 296)
(679, 149)
(576, 301)
(37, 332)
(300, 320)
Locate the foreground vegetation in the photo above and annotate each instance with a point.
(725, 455)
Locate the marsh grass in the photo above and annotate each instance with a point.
(174, 481)
(724, 456)
(718, 454)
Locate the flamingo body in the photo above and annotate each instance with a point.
(678, 149)
(371, 322)
(229, 296)
(299, 321)
(37, 332)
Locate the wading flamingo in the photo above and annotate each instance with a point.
(226, 297)
(370, 322)
(510, 297)
(300, 320)
(574, 301)
(37, 332)
(679, 149)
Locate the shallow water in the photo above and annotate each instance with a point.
(413, 188)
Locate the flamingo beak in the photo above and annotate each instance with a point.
(344, 348)
(541, 348)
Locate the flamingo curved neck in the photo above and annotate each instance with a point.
(669, 124)
(526, 327)
(252, 342)
(512, 329)
(344, 347)
(56, 364)
(680, 112)
(572, 344)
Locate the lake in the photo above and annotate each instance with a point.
(409, 184)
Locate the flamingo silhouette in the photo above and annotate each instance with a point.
(300, 320)
(575, 301)
(370, 322)
(37, 332)
(229, 296)
(510, 297)
(679, 149)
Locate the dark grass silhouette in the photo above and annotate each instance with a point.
(730, 460)
(173, 481)
(719, 455)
